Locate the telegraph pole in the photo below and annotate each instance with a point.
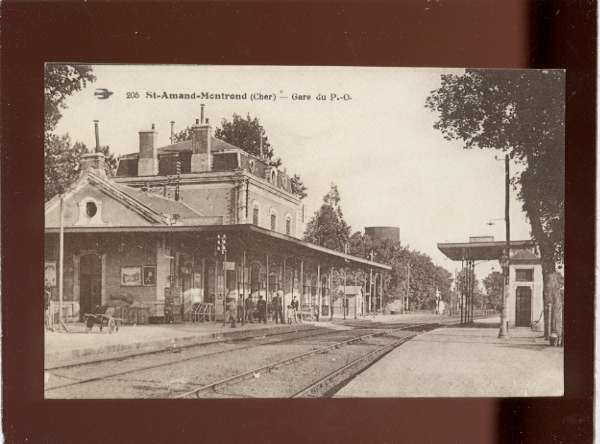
(506, 260)
(407, 305)
(61, 259)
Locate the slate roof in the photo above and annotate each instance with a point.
(158, 203)
(186, 146)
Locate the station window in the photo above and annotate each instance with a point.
(524, 275)
(255, 215)
(273, 222)
(90, 209)
(288, 226)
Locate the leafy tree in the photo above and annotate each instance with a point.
(465, 278)
(494, 285)
(61, 163)
(60, 81)
(522, 114)
(425, 277)
(327, 227)
(246, 133)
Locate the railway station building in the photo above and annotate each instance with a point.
(524, 291)
(185, 227)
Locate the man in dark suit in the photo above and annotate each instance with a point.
(277, 308)
(262, 309)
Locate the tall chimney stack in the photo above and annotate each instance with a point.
(172, 132)
(201, 141)
(97, 132)
(148, 157)
(93, 162)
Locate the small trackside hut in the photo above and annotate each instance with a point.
(524, 289)
(183, 228)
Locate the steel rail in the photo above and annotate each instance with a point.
(315, 332)
(268, 367)
(222, 340)
(381, 351)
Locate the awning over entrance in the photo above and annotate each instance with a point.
(253, 236)
(480, 251)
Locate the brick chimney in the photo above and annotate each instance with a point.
(148, 158)
(201, 141)
(93, 162)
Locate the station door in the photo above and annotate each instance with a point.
(523, 307)
(90, 283)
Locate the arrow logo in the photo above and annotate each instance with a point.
(103, 93)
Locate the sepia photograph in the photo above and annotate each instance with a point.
(303, 232)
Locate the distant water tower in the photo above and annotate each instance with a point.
(383, 233)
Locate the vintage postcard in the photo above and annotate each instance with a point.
(281, 232)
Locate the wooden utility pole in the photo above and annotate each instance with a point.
(319, 289)
(267, 300)
(61, 259)
(344, 298)
(243, 286)
(506, 270)
(407, 305)
(302, 295)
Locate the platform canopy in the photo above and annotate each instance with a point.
(481, 251)
(248, 235)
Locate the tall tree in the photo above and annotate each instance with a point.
(425, 276)
(522, 114)
(494, 285)
(247, 133)
(328, 227)
(60, 81)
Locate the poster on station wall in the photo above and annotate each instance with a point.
(131, 276)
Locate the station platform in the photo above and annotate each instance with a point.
(79, 346)
(465, 362)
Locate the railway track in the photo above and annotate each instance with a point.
(225, 340)
(308, 333)
(336, 338)
(368, 358)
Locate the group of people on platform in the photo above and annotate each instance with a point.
(248, 311)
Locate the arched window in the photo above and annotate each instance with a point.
(255, 213)
(273, 177)
(288, 225)
(273, 220)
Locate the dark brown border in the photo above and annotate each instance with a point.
(456, 33)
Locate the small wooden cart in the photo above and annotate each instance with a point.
(103, 317)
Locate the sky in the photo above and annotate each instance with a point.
(378, 146)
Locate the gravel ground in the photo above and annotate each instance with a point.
(285, 381)
(181, 376)
(224, 360)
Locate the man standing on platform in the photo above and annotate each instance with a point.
(278, 307)
(249, 309)
(262, 309)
